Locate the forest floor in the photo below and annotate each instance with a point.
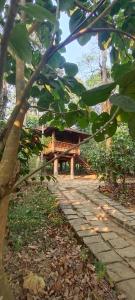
(123, 194)
(43, 259)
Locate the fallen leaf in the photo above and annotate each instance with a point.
(34, 283)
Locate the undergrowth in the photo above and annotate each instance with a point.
(29, 212)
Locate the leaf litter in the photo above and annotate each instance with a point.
(52, 264)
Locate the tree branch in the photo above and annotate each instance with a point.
(55, 112)
(90, 30)
(67, 151)
(5, 38)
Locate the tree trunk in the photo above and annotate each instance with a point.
(5, 290)
(8, 172)
(106, 106)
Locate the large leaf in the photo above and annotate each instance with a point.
(19, 43)
(84, 39)
(124, 102)
(121, 70)
(45, 100)
(71, 69)
(57, 61)
(38, 12)
(74, 85)
(129, 24)
(107, 132)
(98, 94)
(76, 19)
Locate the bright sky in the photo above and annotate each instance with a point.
(75, 52)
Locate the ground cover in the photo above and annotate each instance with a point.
(123, 194)
(43, 258)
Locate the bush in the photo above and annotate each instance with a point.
(114, 163)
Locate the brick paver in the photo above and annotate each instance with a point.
(105, 227)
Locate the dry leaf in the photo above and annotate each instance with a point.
(34, 283)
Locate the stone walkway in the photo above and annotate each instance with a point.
(105, 227)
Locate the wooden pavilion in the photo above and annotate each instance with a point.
(61, 141)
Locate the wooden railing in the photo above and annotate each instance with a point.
(58, 146)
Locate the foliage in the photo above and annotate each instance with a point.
(32, 121)
(30, 144)
(100, 269)
(51, 89)
(115, 163)
(31, 210)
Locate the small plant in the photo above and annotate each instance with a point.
(84, 254)
(100, 269)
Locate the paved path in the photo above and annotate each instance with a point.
(106, 227)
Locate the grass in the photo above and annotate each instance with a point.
(100, 269)
(31, 211)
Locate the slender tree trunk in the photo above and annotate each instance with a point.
(8, 168)
(106, 106)
(5, 290)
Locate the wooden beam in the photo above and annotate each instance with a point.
(72, 167)
(55, 167)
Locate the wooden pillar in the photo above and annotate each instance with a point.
(55, 166)
(72, 167)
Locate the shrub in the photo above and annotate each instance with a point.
(116, 162)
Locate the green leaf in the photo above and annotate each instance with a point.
(131, 125)
(117, 6)
(114, 55)
(36, 57)
(98, 94)
(70, 118)
(84, 39)
(11, 78)
(35, 92)
(38, 12)
(19, 43)
(120, 70)
(72, 106)
(57, 61)
(74, 85)
(44, 119)
(71, 69)
(82, 119)
(93, 116)
(129, 24)
(107, 132)
(45, 100)
(124, 102)
(103, 38)
(76, 19)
